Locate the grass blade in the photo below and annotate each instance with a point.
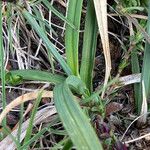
(45, 39)
(30, 126)
(35, 137)
(7, 131)
(37, 75)
(58, 14)
(135, 69)
(145, 79)
(101, 13)
(2, 70)
(74, 120)
(72, 35)
(89, 46)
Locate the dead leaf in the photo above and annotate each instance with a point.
(101, 14)
(24, 98)
(113, 107)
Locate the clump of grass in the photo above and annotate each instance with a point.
(76, 101)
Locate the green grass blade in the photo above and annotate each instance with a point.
(40, 18)
(72, 35)
(89, 46)
(58, 14)
(44, 22)
(31, 122)
(7, 131)
(60, 144)
(135, 69)
(74, 120)
(145, 69)
(9, 22)
(42, 25)
(37, 75)
(45, 39)
(40, 134)
(33, 139)
(2, 71)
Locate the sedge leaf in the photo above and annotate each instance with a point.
(75, 121)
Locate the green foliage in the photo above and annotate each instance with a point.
(13, 79)
(138, 47)
(36, 75)
(73, 88)
(75, 121)
(44, 37)
(89, 48)
(31, 122)
(2, 70)
(145, 68)
(72, 35)
(133, 6)
(129, 3)
(57, 13)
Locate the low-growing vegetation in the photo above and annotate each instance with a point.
(74, 74)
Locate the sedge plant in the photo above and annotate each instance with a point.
(76, 79)
(75, 86)
(145, 78)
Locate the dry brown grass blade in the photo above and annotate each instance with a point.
(41, 116)
(101, 13)
(23, 98)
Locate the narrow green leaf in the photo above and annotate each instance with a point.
(8, 131)
(58, 14)
(145, 69)
(89, 46)
(33, 139)
(30, 126)
(2, 70)
(42, 25)
(74, 120)
(135, 69)
(72, 35)
(9, 22)
(37, 75)
(45, 39)
(40, 133)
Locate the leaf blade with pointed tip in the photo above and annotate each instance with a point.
(37, 75)
(89, 46)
